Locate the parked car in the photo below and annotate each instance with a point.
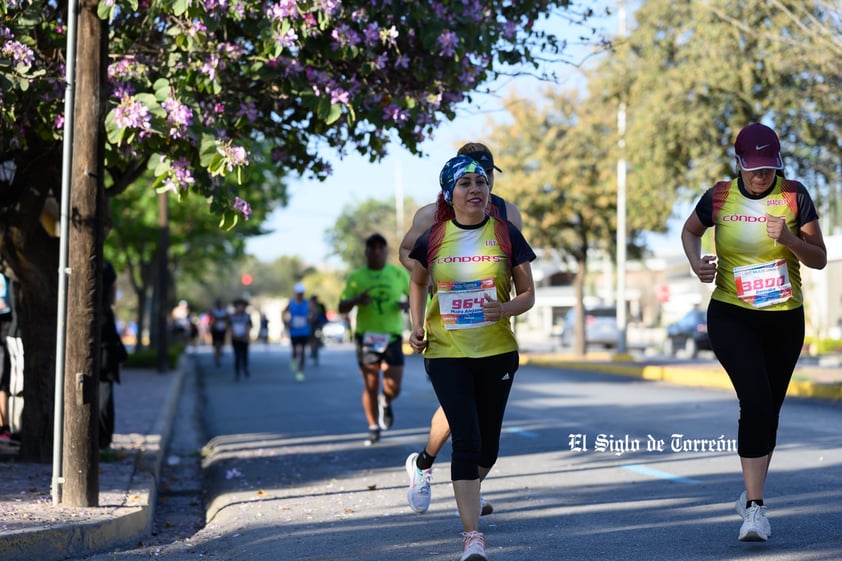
(600, 327)
(689, 334)
(335, 331)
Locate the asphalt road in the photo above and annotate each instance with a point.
(588, 471)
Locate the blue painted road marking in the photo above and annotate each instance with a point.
(643, 470)
(521, 432)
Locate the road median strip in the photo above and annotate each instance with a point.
(696, 376)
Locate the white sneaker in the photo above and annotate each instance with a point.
(418, 495)
(756, 527)
(740, 505)
(385, 417)
(473, 547)
(373, 437)
(485, 507)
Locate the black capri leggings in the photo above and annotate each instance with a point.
(759, 351)
(473, 393)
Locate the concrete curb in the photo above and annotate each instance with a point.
(706, 377)
(121, 525)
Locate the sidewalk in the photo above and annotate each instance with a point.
(31, 527)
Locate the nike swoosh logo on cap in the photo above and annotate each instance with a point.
(760, 147)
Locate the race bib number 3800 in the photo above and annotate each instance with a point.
(763, 284)
(460, 303)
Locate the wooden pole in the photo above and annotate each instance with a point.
(81, 383)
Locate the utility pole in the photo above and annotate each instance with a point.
(622, 320)
(81, 380)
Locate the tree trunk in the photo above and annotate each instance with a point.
(36, 311)
(581, 344)
(162, 300)
(141, 318)
(32, 255)
(84, 287)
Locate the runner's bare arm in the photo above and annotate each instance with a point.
(421, 222)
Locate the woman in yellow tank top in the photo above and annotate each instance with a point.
(766, 226)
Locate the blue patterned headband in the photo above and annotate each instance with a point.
(453, 170)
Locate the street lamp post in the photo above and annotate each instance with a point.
(621, 206)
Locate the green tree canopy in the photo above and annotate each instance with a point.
(695, 73)
(359, 221)
(197, 91)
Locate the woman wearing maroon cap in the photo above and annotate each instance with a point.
(766, 226)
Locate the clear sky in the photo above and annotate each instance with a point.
(314, 206)
(298, 229)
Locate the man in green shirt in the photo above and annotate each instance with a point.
(380, 293)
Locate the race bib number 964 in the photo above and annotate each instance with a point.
(460, 303)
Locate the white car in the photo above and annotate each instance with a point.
(600, 327)
(335, 331)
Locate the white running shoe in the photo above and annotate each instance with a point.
(385, 417)
(418, 495)
(473, 547)
(756, 527)
(373, 437)
(485, 507)
(740, 505)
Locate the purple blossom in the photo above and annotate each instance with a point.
(126, 69)
(233, 155)
(249, 110)
(131, 114)
(20, 54)
(216, 8)
(509, 30)
(242, 206)
(310, 21)
(122, 89)
(389, 35)
(180, 176)
(282, 10)
(371, 34)
(287, 39)
(292, 67)
(278, 155)
(338, 95)
(239, 10)
(215, 5)
(395, 113)
(433, 100)
(179, 117)
(327, 6)
(231, 50)
(211, 65)
(58, 122)
(195, 28)
(402, 61)
(344, 36)
(314, 75)
(381, 61)
(447, 42)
